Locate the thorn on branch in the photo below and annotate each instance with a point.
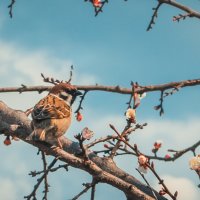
(173, 90)
(22, 88)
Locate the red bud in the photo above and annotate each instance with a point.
(79, 117)
(7, 141)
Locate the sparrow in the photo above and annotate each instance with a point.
(52, 115)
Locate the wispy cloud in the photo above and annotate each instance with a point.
(186, 189)
(22, 65)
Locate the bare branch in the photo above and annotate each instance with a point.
(161, 181)
(154, 16)
(160, 106)
(87, 187)
(81, 101)
(39, 181)
(46, 185)
(103, 169)
(115, 89)
(188, 10)
(10, 6)
(181, 17)
(142, 175)
(34, 173)
(102, 139)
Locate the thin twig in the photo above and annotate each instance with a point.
(154, 16)
(176, 155)
(181, 17)
(142, 175)
(10, 6)
(46, 185)
(175, 4)
(121, 136)
(160, 106)
(87, 187)
(71, 74)
(39, 181)
(102, 139)
(161, 181)
(83, 147)
(93, 191)
(81, 101)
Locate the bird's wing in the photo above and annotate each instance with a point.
(51, 107)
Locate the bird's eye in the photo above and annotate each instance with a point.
(64, 95)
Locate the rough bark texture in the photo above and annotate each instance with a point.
(102, 169)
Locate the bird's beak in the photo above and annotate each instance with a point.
(78, 93)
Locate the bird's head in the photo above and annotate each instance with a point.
(65, 91)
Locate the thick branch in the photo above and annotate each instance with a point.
(102, 169)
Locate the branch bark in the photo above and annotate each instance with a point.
(102, 169)
(115, 89)
(191, 12)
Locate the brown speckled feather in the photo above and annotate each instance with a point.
(51, 107)
(52, 114)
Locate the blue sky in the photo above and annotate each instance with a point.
(111, 49)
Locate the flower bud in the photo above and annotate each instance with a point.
(7, 141)
(79, 117)
(131, 115)
(87, 133)
(194, 163)
(97, 3)
(142, 160)
(167, 156)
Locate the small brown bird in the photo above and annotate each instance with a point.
(52, 114)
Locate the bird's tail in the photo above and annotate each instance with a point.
(32, 136)
(35, 136)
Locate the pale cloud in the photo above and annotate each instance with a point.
(21, 65)
(10, 188)
(178, 133)
(14, 181)
(186, 189)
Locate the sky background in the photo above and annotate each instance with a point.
(111, 49)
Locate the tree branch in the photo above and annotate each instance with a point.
(39, 181)
(10, 7)
(102, 169)
(191, 12)
(115, 89)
